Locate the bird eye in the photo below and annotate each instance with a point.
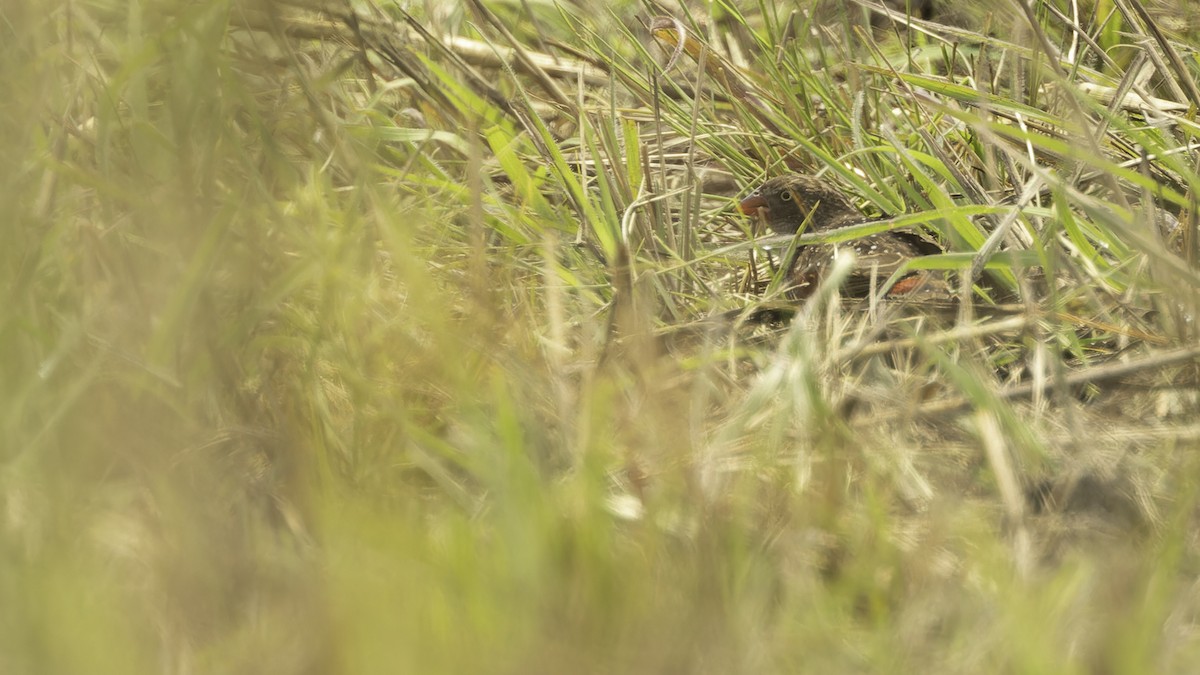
(786, 195)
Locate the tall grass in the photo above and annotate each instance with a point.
(432, 342)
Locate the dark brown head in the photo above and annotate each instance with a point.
(787, 201)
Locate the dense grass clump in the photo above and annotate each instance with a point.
(348, 338)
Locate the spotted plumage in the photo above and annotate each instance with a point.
(788, 203)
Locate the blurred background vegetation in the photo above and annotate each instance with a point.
(425, 337)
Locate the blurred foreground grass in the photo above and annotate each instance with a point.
(330, 346)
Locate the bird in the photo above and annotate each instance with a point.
(787, 203)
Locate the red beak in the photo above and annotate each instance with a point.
(750, 205)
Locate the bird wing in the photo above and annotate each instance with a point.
(877, 257)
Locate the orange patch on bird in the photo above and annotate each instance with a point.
(907, 285)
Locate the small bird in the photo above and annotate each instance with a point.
(788, 202)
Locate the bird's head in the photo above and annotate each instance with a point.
(787, 202)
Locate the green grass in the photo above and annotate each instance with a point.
(338, 346)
